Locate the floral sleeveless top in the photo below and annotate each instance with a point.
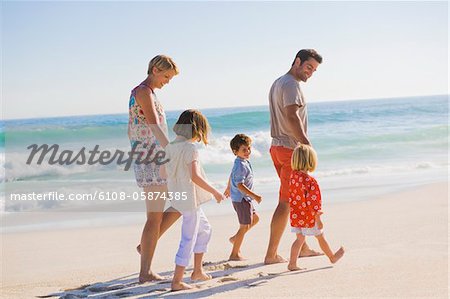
(138, 128)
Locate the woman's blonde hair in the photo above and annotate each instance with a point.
(304, 158)
(192, 124)
(162, 63)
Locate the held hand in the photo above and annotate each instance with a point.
(226, 193)
(218, 196)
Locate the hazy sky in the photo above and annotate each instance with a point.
(74, 58)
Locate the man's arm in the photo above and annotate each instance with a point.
(296, 124)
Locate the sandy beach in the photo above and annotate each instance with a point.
(396, 246)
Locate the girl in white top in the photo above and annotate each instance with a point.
(188, 189)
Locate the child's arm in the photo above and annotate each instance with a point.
(198, 179)
(249, 192)
(319, 219)
(315, 197)
(227, 190)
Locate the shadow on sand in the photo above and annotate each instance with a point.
(222, 281)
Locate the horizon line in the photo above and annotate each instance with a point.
(228, 107)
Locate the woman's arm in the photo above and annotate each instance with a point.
(145, 100)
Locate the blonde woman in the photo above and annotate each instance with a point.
(147, 131)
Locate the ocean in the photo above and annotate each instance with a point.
(365, 148)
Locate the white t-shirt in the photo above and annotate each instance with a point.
(285, 91)
(185, 194)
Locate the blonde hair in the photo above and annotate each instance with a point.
(162, 63)
(192, 124)
(304, 158)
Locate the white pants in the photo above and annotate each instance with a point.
(195, 235)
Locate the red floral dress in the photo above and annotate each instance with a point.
(304, 199)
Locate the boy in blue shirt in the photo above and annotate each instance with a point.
(239, 189)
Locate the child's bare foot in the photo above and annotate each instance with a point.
(200, 276)
(150, 277)
(179, 286)
(337, 255)
(292, 267)
(236, 257)
(275, 260)
(309, 252)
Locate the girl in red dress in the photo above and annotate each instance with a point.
(305, 205)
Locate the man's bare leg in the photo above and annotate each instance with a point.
(279, 221)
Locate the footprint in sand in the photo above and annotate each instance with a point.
(123, 294)
(234, 265)
(105, 288)
(159, 290)
(83, 287)
(256, 283)
(72, 296)
(228, 278)
(226, 266)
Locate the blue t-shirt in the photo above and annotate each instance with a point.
(242, 173)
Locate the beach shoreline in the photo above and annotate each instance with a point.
(385, 256)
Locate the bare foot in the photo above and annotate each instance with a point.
(200, 276)
(179, 286)
(138, 248)
(337, 255)
(237, 257)
(309, 252)
(294, 267)
(275, 260)
(150, 277)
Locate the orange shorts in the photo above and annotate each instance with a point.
(281, 157)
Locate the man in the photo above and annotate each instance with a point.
(289, 124)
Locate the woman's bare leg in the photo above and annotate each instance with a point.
(151, 231)
(170, 216)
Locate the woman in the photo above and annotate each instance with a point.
(147, 131)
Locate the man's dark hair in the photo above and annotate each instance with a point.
(305, 54)
(238, 140)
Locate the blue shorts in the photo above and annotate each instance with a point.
(244, 211)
